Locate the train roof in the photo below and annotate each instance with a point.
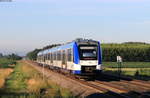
(68, 45)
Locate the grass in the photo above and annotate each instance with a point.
(4, 73)
(25, 81)
(7, 63)
(137, 70)
(136, 73)
(5, 70)
(127, 64)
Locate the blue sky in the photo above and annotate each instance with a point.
(29, 24)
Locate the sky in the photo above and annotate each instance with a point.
(29, 24)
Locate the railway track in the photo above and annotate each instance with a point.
(113, 90)
(138, 88)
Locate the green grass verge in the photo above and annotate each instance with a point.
(6, 63)
(16, 81)
(127, 64)
(136, 73)
(26, 82)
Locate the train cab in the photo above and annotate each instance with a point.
(89, 57)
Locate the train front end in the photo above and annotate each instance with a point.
(90, 57)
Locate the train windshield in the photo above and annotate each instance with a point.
(88, 52)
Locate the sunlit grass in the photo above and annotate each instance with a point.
(4, 73)
(7, 63)
(127, 64)
(27, 81)
(138, 73)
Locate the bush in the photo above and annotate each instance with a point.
(5, 63)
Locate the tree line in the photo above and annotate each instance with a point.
(11, 56)
(32, 55)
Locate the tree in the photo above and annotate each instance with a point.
(33, 54)
(14, 57)
(1, 55)
(50, 46)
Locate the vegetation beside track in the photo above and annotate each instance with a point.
(4, 73)
(25, 81)
(6, 68)
(137, 70)
(7, 63)
(127, 64)
(140, 70)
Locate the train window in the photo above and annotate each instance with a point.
(51, 58)
(54, 55)
(45, 56)
(42, 57)
(58, 55)
(88, 52)
(69, 53)
(39, 58)
(63, 57)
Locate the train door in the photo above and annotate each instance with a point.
(61, 53)
(66, 59)
(51, 58)
(64, 63)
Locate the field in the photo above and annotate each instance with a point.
(127, 64)
(136, 52)
(137, 70)
(22, 80)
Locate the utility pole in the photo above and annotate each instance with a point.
(43, 65)
(119, 61)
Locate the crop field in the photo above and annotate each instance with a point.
(137, 70)
(127, 64)
(129, 52)
(22, 81)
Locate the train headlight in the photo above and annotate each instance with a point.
(98, 67)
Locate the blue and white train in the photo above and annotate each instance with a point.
(77, 57)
